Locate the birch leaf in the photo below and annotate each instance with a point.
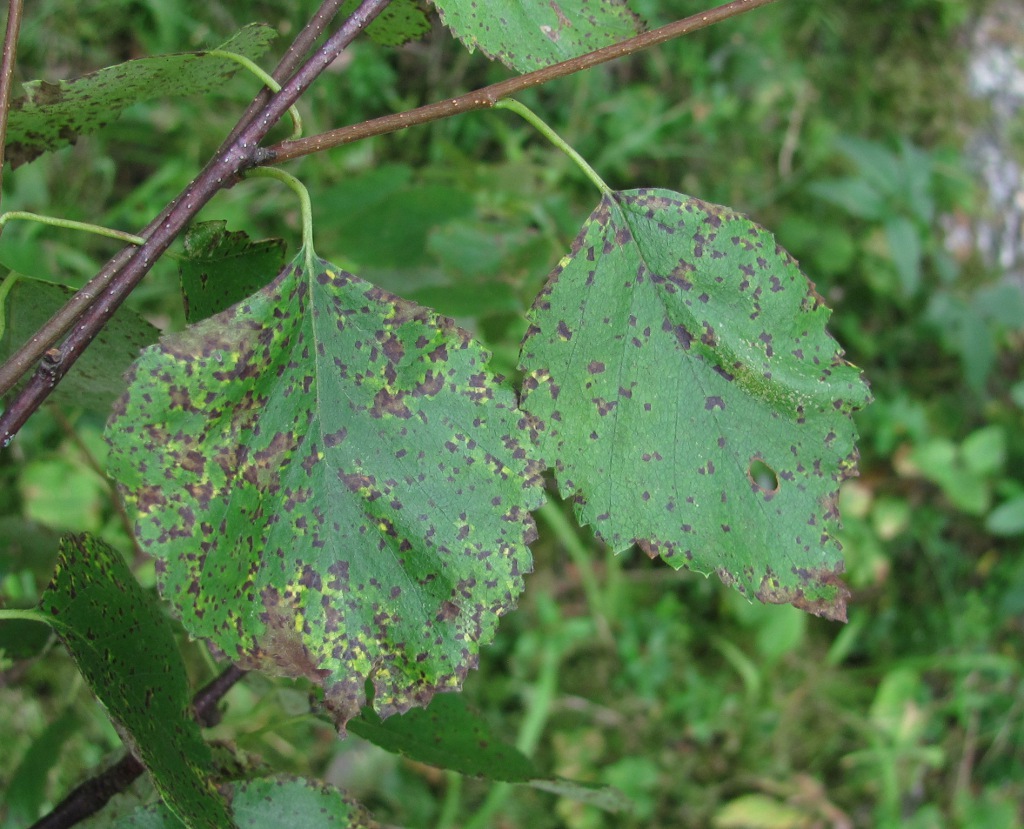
(334, 486)
(691, 400)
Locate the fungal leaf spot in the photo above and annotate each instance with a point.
(334, 485)
(718, 429)
(528, 36)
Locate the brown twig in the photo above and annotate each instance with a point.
(92, 795)
(14, 8)
(223, 171)
(488, 96)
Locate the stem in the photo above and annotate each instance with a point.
(268, 81)
(25, 615)
(535, 120)
(566, 533)
(488, 96)
(14, 8)
(224, 170)
(305, 206)
(452, 801)
(5, 289)
(70, 224)
(92, 795)
(530, 731)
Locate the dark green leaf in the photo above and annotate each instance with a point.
(53, 115)
(335, 485)
(447, 735)
(222, 267)
(692, 401)
(272, 803)
(528, 36)
(95, 381)
(125, 649)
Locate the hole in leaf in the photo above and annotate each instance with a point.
(763, 477)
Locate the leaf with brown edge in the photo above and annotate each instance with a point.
(691, 399)
(334, 485)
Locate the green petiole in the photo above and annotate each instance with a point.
(535, 120)
(268, 82)
(305, 205)
(69, 224)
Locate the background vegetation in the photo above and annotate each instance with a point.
(842, 127)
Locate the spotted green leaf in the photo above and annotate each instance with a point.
(270, 803)
(399, 23)
(222, 267)
(530, 34)
(95, 381)
(53, 115)
(125, 649)
(334, 486)
(691, 399)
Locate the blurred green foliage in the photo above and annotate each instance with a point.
(838, 125)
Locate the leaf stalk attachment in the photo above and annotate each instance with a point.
(305, 206)
(69, 224)
(538, 123)
(268, 81)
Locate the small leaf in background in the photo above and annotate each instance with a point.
(399, 23)
(95, 381)
(125, 650)
(759, 811)
(53, 115)
(528, 36)
(691, 400)
(271, 803)
(222, 267)
(334, 485)
(1007, 518)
